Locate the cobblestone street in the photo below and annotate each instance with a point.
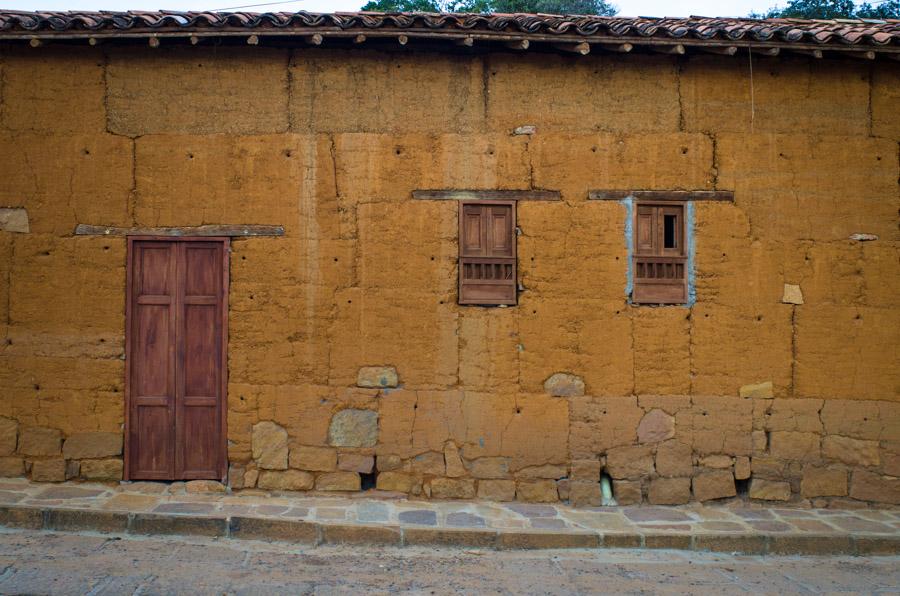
(62, 563)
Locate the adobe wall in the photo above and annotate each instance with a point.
(330, 144)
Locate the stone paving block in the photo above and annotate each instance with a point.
(350, 534)
(449, 537)
(810, 545)
(880, 545)
(81, 519)
(21, 517)
(151, 523)
(273, 529)
(731, 543)
(463, 519)
(669, 541)
(541, 540)
(622, 540)
(421, 517)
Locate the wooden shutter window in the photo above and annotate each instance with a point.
(660, 256)
(487, 252)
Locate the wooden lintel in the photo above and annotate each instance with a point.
(315, 40)
(662, 195)
(676, 49)
(721, 50)
(487, 195)
(359, 39)
(583, 48)
(518, 44)
(467, 42)
(206, 230)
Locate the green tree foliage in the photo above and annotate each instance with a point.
(596, 7)
(833, 9)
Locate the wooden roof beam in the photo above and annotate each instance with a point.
(720, 50)
(621, 48)
(812, 53)
(518, 44)
(771, 52)
(676, 50)
(583, 48)
(466, 42)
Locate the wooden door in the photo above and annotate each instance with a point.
(175, 358)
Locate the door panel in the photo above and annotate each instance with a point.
(176, 365)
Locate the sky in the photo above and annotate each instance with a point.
(629, 8)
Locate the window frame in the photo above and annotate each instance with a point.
(654, 290)
(512, 259)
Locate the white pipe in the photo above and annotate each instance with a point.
(607, 499)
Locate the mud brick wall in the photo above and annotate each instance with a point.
(750, 390)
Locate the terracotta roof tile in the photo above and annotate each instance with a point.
(858, 32)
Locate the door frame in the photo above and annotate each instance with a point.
(129, 280)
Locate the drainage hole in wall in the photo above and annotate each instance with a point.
(368, 481)
(742, 487)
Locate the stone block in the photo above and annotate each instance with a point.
(354, 428)
(853, 452)
(717, 462)
(360, 534)
(797, 446)
(717, 424)
(586, 470)
(430, 463)
(73, 469)
(314, 459)
(452, 488)
(792, 415)
(12, 467)
(251, 476)
(757, 390)
(48, 470)
(92, 445)
(768, 467)
(546, 540)
(890, 458)
(564, 385)
(270, 446)
(9, 433)
(861, 419)
(562, 488)
(396, 482)
(669, 491)
(601, 423)
(204, 486)
(101, 469)
(338, 481)
(792, 294)
(713, 485)
(356, 462)
(38, 441)
(548, 471)
(76, 520)
(14, 220)
(285, 480)
(537, 491)
(867, 486)
(584, 494)
(283, 530)
(674, 458)
(769, 490)
(497, 490)
(377, 377)
(630, 462)
(823, 482)
(656, 426)
(741, 468)
(452, 461)
(385, 463)
(489, 467)
(627, 492)
(413, 536)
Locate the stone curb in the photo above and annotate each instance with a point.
(237, 527)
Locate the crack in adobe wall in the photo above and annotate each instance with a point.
(793, 350)
(869, 118)
(12, 259)
(679, 68)
(289, 91)
(485, 89)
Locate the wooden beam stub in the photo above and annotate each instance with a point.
(662, 195)
(766, 51)
(721, 50)
(403, 39)
(677, 49)
(35, 42)
(253, 40)
(205, 230)
(583, 48)
(518, 44)
(315, 40)
(359, 39)
(487, 195)
(153, 42)
(621, 48)
(466, 42)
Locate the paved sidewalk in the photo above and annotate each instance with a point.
(364, 518)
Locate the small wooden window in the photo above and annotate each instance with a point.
(660, 256)
(487, 252)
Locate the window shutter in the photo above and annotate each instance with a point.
(660, 257)
(487, 252)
